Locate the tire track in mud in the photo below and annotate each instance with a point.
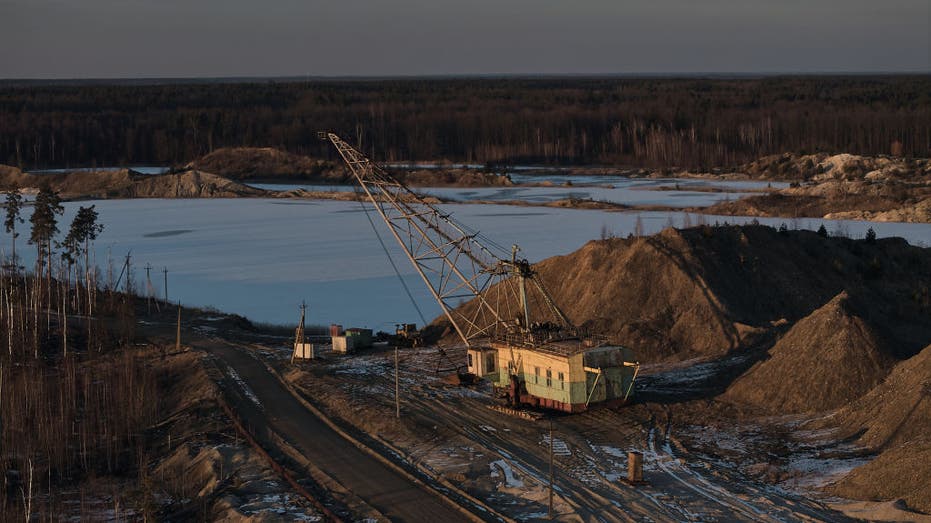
(607, 502)
(589, 504)
(703, 487)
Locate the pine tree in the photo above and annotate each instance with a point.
(14, 204)
(84, 229)
(45, 224)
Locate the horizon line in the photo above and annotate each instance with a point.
(459, 76)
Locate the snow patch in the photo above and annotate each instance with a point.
(560, 448)
(245, 388)
(510, 479)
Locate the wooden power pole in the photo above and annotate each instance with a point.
(397, 386)
(299, 339)
(178, 336)
(148, 289)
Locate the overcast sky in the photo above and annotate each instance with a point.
(214, 38)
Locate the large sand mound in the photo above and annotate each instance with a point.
(189, 184)
(826, 360)
(240, 163)
(895, 419)
(707, 291)
(125, 183)
(900, 473)
(898, 410)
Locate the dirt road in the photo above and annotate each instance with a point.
(385, 489)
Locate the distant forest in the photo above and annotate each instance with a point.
(690, 122)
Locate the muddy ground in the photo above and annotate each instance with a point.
(704, 460)
(699, 464)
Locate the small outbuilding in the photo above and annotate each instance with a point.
(352, 340)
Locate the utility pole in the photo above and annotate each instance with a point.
(64, 324)
(299, 334)
(148, 289)
(178, 337)
(127, 267)
(165, 272)
(123, 271)
(397, 386)
(551, 469)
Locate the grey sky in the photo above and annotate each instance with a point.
(182, 38)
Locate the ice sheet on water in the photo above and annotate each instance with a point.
(260, 259)
(614, 189)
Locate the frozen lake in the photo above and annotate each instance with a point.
(613, 189)
(261, 257)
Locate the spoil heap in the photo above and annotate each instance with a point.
(826, 360)
(894, 419)
(710, 291)
(254, 163)
(126, 183)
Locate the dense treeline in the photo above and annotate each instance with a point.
(688, 122)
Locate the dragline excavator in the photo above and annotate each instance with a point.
(515, 334)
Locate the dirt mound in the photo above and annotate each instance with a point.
(707, 291)
(245, 163)
(894, 417)
(917, 213)
(899, 473)
(72, 184)
(826, 360)
(897, 411)
(189, 184)
(125, 183)
(842, 186)
(843, 166)
(880, 511)
(650, 293)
